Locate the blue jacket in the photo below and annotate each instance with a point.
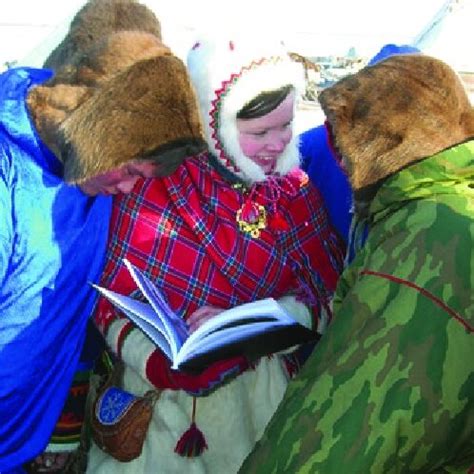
(52, 245)
(328, 176)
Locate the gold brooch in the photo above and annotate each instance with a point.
(251, 218)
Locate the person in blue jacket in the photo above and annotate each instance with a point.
(67, 143)
(321, 162)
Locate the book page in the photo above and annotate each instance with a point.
(150, 330)
(143, 315)
(267, 308)
(175, 326)
(210, 341)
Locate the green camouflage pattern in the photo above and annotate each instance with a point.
(390, 387)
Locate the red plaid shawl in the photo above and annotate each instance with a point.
(182, 231)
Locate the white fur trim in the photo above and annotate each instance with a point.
(227, 73)
(249, 170)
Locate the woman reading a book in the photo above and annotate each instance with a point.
(236, 224)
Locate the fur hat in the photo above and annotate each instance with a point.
(98, 19)
(227, 73)
(399, 111)
(119, 97)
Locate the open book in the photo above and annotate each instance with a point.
(252, 329)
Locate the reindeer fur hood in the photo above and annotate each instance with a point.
(118, 94)
(396, 113)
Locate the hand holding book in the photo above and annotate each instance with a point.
(201, 315)
(252, 329)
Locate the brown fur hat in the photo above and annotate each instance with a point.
(120, 97)
(98, 19)
(394, 113)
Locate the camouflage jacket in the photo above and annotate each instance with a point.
(390, 387)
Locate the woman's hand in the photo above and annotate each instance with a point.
(201, 315)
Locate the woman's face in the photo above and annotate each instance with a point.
(120, 180)
(264, 139)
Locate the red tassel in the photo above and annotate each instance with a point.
(192, 443)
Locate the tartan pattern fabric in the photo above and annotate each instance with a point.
(182, 231)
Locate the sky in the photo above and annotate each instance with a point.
(29, 29)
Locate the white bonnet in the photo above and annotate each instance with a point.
(227, 73)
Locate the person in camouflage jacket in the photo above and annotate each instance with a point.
(390, 387)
